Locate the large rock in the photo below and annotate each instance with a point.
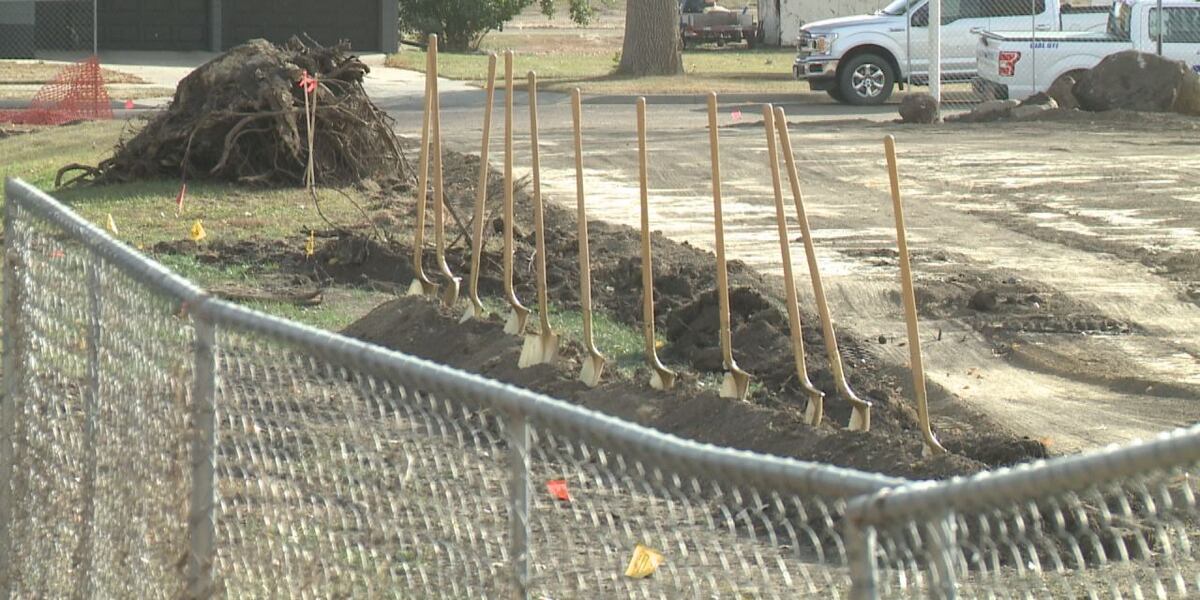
(919, 108)
(1061, 91)
(1132, 80)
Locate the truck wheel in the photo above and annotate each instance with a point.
(866, 79)
(836, 94)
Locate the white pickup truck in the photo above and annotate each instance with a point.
(1009, 66)
(859, 60)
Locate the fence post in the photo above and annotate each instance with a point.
(91, 401)
(860, 553)
(202, 507)
(13, 371)
(518, 508)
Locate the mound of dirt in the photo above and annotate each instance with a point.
(418, 326)
(241, 117)
(1140, 81)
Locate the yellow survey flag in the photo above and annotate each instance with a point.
(310, 247)
(198, 232)
(111, 224)
(644, 562)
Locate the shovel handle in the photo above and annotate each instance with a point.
(714, 144)
(481, 188)
(585, 265)
(423, 167)
(831, 345)
(647, 265)
(539, 225)
(509, 293)
(439, 196)
(910, 303)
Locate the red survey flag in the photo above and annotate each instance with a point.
(308, 83)
(737, 115)
(129, 105)
(558, 489)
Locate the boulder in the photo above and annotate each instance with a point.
(1061, 92)
(919, 108)
(1138, 81)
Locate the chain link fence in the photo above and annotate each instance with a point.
(29, 28)
(158, 442)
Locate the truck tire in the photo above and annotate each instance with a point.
(835, 92)
(866, 79)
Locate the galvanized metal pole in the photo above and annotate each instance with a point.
(860, 553)
(202, 507)
(95, 28)
(1159, 8)
(908, 43)
(935, 49)
(91, 401)
(518, 508)
(13, 365)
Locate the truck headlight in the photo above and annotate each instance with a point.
(822, 43)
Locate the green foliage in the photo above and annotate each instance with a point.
(462, 23)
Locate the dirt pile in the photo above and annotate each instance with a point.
(1140, 81)
(242, 117)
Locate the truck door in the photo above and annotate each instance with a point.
(962, 21)
(1181, 33)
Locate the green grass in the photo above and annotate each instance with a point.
(590, 69)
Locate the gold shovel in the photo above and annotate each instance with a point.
(451, 284)
(541, 347)
(421, 284)
(593, 363)
(860, 418)
(475, 309)
(515, 325)
(736, 382)
(816, 398)
(930, 443)
(661, 378)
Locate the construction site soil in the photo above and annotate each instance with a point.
(770, 421)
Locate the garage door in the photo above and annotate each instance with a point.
(153, 24)
(326, 21)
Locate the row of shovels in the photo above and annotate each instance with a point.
(542, 346)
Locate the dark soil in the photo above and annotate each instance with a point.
(685, 301)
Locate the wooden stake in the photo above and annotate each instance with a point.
(593, 363)
(541, 347)
(421, 283)
(860, 418)
(930, 443)
(516, 320)
(661, 378)
(475, 309)
(736, 382)
(816, 398)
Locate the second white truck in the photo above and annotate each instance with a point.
(1018, 65)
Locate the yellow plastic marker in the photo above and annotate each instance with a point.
(643, 563)
(515, 325)
(541, 347)
(475, 309)
(198, 232)
(661, 378)
(736, 383)
(451, 283)
(421, 283)
(593, 364)
(860, 417)
(310, 247)
(930, 443)
(814, 410)
(111, 225)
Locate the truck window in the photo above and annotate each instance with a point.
(1118, 20)
(1181, 25)
(1015, 8)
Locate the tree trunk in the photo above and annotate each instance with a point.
(652, 45)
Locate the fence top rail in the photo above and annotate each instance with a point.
(660, 450)
(96, 240)
(1025, 482)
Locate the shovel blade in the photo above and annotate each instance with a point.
(531, 352)
(860, 419)
(515, 325)
(662, 380)
(450, 292)
(419, 288)
(735, 385)
(473, 312)
(815, 411)
(549, 347)
(591, 370)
